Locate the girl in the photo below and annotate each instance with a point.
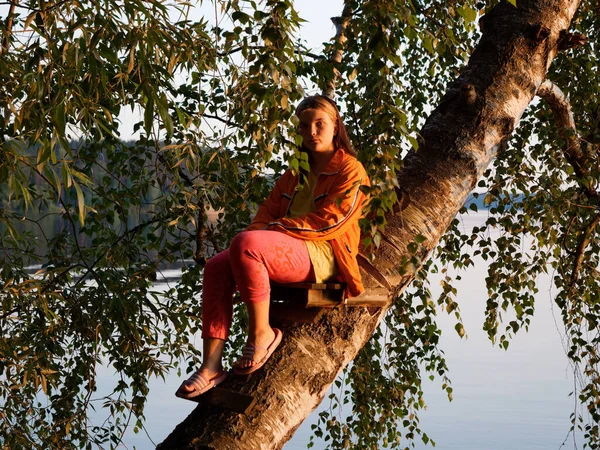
(307, 234)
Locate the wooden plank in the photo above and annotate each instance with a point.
(324, 295)
(326, 298)
(318, 286)
(378, 296)
(333, 299)
(227, 399)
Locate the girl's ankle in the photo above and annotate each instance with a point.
(210, 370)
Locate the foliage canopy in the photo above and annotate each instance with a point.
(217, 100)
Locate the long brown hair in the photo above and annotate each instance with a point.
(341, 139)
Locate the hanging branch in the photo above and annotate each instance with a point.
(8, 25)
(563, 115)
(577, 156)
(581, 247)
(201, 221)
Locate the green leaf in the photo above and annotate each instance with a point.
(460, 329)
(419, 238)
(59, 118)
(44, 154)
(149, 115)
(352, 75)
(468, 13)
(80, 202)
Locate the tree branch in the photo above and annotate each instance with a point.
(130, 232)
(29, 8)
(262, 47)
(200, 235)
(579, 159)
(184, 176)
(8, 25)
(336, 58)
(583, 243)
(309, 54)
(227, 122)
(65, 208)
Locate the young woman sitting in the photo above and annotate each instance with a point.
(306, 235)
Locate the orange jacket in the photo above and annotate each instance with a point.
(338, 200)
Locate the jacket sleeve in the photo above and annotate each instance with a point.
(268, 211)
(342, 206)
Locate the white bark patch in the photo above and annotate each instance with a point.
(417, 221)
(321, 361)
(515, 106)
(491, 141)
(304, 403)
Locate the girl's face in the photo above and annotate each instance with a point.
(317, 130)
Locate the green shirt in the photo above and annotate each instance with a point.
(320, 252)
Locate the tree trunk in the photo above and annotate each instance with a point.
(459, 140)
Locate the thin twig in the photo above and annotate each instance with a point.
(29, 8)
(566, 234)
(297, 51)
(227, 122)
(581, 247)
(62, 203)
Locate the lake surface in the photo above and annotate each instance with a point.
(503, 400)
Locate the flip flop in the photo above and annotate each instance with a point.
(200, 383)
(248, 353)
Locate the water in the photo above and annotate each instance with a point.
(503, 400)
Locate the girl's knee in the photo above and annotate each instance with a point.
(244, 241)
(218, 264)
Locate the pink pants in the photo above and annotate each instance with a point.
(254, 258)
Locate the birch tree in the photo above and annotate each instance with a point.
(440, 98)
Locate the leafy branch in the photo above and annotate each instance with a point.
(576, 155)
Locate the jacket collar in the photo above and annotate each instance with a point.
(335, 163)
